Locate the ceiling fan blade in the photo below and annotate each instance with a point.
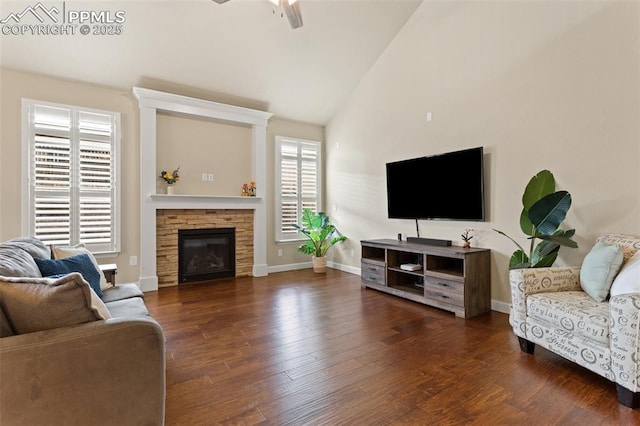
(221, 1)
(294, 15)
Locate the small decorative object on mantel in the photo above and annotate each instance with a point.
(170, 178)
(249, 189)
(466, 237)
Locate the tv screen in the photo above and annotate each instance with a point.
(448, 186)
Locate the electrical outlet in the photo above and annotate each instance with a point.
(133, 260)
(210, 177)
(352, 253)
(204, 177)
(279, 252)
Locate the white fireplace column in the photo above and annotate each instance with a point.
(151, 101)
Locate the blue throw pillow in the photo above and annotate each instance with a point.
(81, 263)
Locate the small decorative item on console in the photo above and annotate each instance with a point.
(466, 237)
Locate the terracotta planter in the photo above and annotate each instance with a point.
(319, 264)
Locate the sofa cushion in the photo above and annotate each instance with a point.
(81, 263)
(572, 311)
(35, 304)
(628, 279)
(64, 252)
(127, 308)
(599, 268)
(33, 246)
(15, 262)
(121, 292)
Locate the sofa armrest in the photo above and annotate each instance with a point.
(102, 372)
(524, 282)
(625, 340)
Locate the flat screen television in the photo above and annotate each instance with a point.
(447, 186)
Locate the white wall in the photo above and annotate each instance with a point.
(541, 85)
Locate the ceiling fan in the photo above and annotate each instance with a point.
(289, 7)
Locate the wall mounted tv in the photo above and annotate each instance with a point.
(447, 186)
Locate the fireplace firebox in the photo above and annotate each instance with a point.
(206, 254)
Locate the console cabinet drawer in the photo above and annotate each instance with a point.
(373, 272)
(451, 292)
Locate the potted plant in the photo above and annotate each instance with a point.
(321, 234)
(543, 211)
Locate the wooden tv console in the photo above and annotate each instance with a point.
(452, 278)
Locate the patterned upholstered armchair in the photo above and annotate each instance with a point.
(549, 308)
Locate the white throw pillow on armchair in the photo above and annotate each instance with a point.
(628, 279)
(599, 269)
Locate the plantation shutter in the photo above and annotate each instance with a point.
(298, 183)
(96, 179)
(52, 174)
(72, 165)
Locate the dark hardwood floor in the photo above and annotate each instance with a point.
(299, 348)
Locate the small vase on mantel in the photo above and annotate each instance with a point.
(169, 189)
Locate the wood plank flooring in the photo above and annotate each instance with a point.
(298, 348)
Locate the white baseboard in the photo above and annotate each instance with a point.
(306, 265)
(499, 306)
(345, 268)
(148, 283)
(289, 267)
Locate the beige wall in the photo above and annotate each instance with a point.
(181, 144)
(540, 85)
(200, 146)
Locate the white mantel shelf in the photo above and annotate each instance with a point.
(187, 201)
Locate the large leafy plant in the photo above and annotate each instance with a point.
(321, 234)
(543, 210)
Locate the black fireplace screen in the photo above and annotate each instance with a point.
(206, 254)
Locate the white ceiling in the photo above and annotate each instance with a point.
(239, 49)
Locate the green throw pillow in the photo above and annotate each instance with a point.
(599, 269)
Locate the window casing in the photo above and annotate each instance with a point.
(72, 156)
(298, 183)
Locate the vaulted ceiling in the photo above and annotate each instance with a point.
(240, 48)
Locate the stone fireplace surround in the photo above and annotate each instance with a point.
(170, 221)
(151, 101)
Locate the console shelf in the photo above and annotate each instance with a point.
(452, 278)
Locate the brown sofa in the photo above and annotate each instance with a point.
(68, 356)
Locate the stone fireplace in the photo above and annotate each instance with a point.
(193, 222)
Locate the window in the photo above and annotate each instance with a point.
(298, 165)
(71, 155)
